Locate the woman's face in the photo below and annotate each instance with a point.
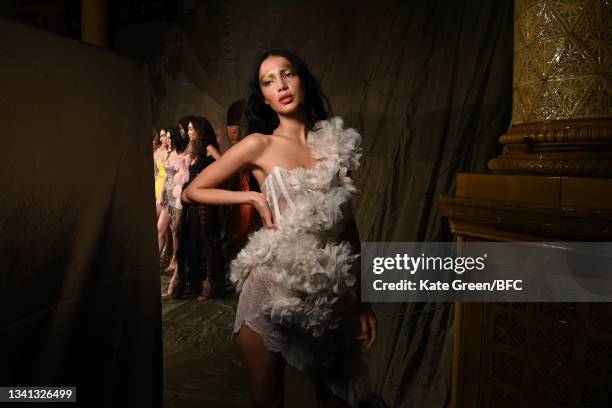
(168, 141)
(162, 137)
(191, 132)
(182, 131)
(233, 133)
(280, 85)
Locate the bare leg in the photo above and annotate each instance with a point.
(168, 241)
(264, 370)
(167, 294)
(169, 246)
(209, 251)
(162, 226)
(176, 238)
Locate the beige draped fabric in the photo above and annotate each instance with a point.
(79, 280)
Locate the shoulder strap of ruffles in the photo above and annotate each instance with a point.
(332, 141)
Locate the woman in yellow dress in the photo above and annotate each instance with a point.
(160, 178)
(161, 155)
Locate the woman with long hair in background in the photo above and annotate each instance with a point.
(164, 219)
(159, 181)
(200, 243)
(176, 175)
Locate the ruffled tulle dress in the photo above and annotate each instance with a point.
(295, 281)
(176, 168)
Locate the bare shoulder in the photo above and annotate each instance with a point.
(256, 140)
(254, 144)
(246, 151)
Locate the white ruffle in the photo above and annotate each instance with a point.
(309, 267)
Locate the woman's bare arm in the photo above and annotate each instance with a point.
(212, 151)
(202, 189)
(367, 319)
(351, 235)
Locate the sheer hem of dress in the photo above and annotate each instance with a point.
(335, 359)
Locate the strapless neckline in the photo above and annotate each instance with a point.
(289, 171)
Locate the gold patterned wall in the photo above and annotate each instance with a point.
(562, 60)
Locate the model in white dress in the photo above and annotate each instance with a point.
(295, 280)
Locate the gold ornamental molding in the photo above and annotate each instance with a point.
(579, 148)
(558, 167)
(562, 60)
(562, 90)
(574, 132)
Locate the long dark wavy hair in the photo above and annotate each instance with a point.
(156, 141)
(175, 137)
(262, 119)
(206, 136)
(183, 143)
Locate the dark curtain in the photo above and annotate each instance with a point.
(79, 286)
(427, 83)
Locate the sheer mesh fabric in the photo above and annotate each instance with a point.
(210, 247)
(168, 199)
(278, 188)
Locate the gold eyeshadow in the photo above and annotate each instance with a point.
(270, 75)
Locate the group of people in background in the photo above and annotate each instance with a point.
(196, 242)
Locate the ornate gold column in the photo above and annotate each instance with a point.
(553, 182)
(562, 90)
(94, 22)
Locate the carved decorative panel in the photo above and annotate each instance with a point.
(544, 355)
(498, 398)
(568, 11)
(600, 319)
(507, 369)
(565, 47)
(533, 355)
(509, 331)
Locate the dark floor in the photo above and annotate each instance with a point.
(201, 365)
